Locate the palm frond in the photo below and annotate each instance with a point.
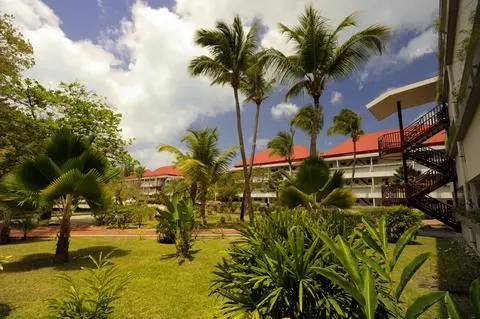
(340, 198)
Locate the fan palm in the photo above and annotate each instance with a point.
(347, 122)
(68, 169)
(319, 57)
(202, 163)
(231, 51)
(314, 188)
(282, 145)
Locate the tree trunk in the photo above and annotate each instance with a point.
(5, 234)
(61, 254)
(248, 195)
(193, 192)
(242, 207)
(315, 128)
(203, 202)
(354, 162)
(254, 139)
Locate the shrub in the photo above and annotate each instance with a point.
(272, 271)
(94, 297)
(399, 220)
(25, 223)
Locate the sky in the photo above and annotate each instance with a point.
(136, 54)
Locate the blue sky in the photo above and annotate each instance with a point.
(136, 54)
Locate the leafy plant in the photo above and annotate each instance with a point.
(271, 272)
(399, 219)
(282, 144)
(452, 308)
(26, 223)
(177, 221)
(4, 260)
(399, 174)
(314, 188)
(369, 280)
(93, 297)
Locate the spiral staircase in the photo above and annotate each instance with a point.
(441, 168)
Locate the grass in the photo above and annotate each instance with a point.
(161, 288)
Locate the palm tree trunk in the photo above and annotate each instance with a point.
(248, 195)
(254, 139)
(315, 128)
(354, 162)
(203, 202)
(193, 192)
(242, 207)
(61, 253)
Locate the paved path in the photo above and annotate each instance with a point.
(84, 230)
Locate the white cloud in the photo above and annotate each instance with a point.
(142, 66)
(422, 44)
(336, 97)
(261, 143)
(283, 109)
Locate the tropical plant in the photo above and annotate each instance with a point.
(26, 222)
(314, 188)
(369, 265)
(319, 57)
(176, 186)
(347, 122)
(69, 169)
(451, 305)
(231, 52)
(202, 163)
(139, 172)
(400, 176)
(227, 188)
(304, 118)
(176, 223)
(95, 295)
(282, 144)
(271, 272)
(3, 260)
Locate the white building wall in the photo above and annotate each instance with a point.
(471, 146)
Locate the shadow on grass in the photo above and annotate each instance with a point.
(5, 310)
(457, 267)
(78, 258)
(181, 260)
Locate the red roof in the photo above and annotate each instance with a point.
(368, 143)
(300, 152)
(169, 170)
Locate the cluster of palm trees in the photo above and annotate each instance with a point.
(236, 59)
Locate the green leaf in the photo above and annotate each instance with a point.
(452, 309)
(409, 271)
(370, 294)
(422, 304)
(475, 297)
(382, 231)
(342, 283)
(401, 244)
(372, 263)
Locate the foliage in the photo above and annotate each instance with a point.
(203, 163)
(314, 188)
(452, 308)
(282, 145)
(399, 176)
(369, 277)
(95, 295)
(319, 57)
(399, 220)
(231, 52)
(227, 187)
(272, 271)
(176, 186)
(25, 222)
(139, 171)
(16, 53)
(3, 260)
(176, 223)
(303, 119)
(68, 170)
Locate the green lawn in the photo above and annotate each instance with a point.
(163, 289)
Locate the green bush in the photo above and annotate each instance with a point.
(94, 297)
(122, 216)
(272, 271)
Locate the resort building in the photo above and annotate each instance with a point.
(371, 171)
(154, 180)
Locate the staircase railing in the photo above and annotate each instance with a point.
(419, 131)
(429, 157)
(437, 209)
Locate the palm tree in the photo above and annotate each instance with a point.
(202, 163)
(231, 51)
(139, 172)
(314, 188)
(319, 57)
(68, 169)
(304, 118)
(347, 122)
(399, 174)
(282, 145)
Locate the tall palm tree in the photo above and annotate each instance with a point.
(231, 51)
(305, 117)
(319, 57)
(347, 122)
(202, 163)
(282, 144)
(68, 169)
(314, 188)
